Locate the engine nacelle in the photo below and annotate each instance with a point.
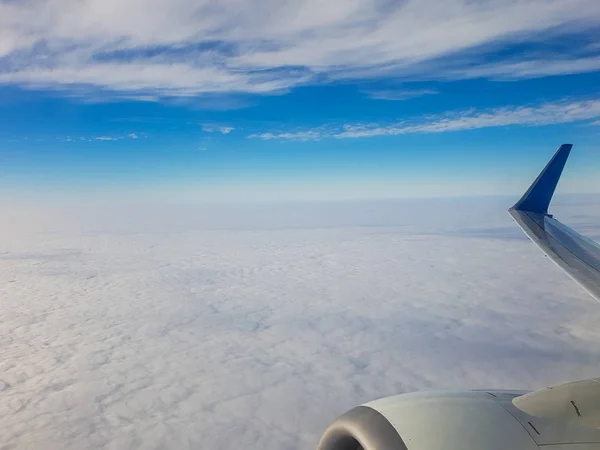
(565, 418)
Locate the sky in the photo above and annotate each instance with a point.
(186, 327)
(295, 99)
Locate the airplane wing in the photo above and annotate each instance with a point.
(565, 417)
(577, 255)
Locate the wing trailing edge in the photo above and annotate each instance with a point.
(575, 254)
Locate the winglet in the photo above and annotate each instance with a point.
(538, 196)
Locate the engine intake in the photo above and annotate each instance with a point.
(361, 428)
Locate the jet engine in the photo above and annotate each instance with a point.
(564, 417)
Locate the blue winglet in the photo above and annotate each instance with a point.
(538, 196)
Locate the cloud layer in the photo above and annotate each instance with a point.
(159, 327)
(188, 48)
(565, 111)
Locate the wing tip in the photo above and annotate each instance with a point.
(537, 198)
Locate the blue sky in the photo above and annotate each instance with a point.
(291, 99)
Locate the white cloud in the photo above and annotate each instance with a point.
(217, 129)
(148, 49)
(173, 79)
(526, 69)
(303, 136)
(106, 138)
(399, 94)
(103, 138)
(565, 111)
(206, 327)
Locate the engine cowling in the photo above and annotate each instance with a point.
(477, 420)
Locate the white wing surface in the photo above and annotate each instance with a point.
(577, 255)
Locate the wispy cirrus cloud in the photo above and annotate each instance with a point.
(180, 48)
(303, 136)
(105, 138)
(399, 94)
(565, 111)
(118, 138)
(530, 68)
(223, 129)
